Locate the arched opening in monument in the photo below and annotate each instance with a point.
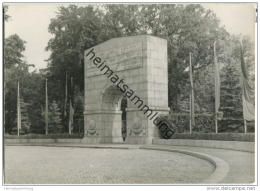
(124, 124)
(114, 106)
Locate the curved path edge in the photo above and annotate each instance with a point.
(215, 144)
(221, 166)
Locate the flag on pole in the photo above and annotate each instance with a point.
(71, 107)
(18, 110)
(46, 107)
(71, 118)
(66, 95)
(247, 92)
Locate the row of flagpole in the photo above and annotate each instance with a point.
(217, 90)
(192, 117)
(246, 102)
(248, 108)
(71, 112)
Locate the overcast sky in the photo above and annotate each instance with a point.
(30, 21)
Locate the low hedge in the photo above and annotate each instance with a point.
(248, 137)
(41, 136)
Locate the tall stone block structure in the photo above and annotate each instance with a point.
(140, 62)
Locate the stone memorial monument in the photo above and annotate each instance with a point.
(132, 70)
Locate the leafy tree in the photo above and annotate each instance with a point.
(231, 92)
(75, 29)
(31, 85)
(13, 48)
(78, 115)
(15, 69)
(25, 121)
(231, 99)
(31, 89)
(35, 94)
(121, 20)
(55, 118)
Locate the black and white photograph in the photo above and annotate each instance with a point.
(129, 94)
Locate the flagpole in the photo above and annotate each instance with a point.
(245, 126)
(246, 102)
(71, 85)
(71, 109)
(191, 99)
(18, 110)
(190, 115)
(70, 124)
(216, 88)
(66, 94)
(46, 107)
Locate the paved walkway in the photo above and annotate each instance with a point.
(241, 164)
(73, 165)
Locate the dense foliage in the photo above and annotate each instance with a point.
(55, 125)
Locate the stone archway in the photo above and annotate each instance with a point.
(112, 116)
(138, 63)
